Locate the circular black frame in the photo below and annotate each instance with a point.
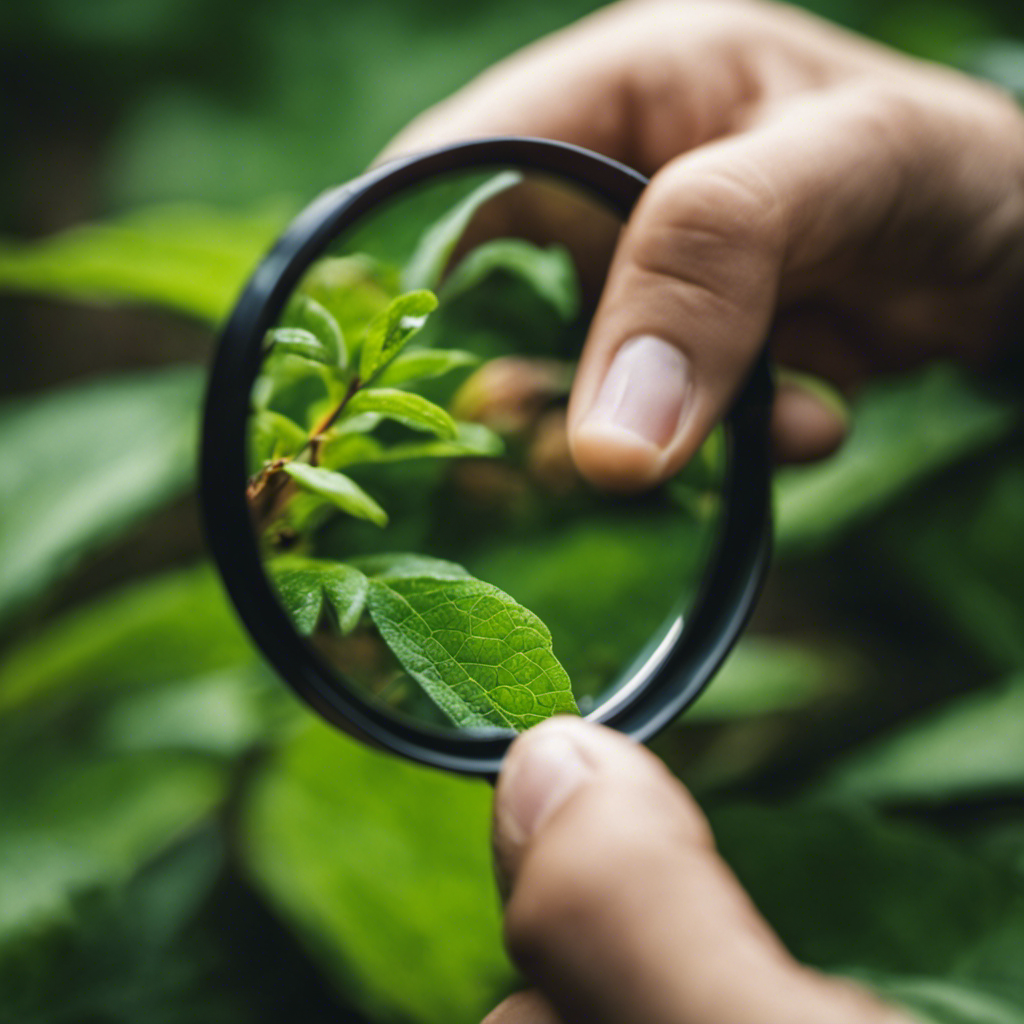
(683, 662)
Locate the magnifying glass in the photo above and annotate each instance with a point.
(386, 483)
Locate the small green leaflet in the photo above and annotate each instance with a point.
(390, 330)
(404, 407)
(296, 342)
(481, 657)
(338, 489)
(305, 584)
(350, 449)
(273, 436)
(306, 313)
(424, 363)
(427, 263)
(549, 272)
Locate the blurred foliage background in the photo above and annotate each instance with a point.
(179, 840)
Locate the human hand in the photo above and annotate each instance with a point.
(861, 209)
(620, 911)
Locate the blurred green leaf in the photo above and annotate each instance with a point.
(423, 364)
(376, 863)
(81, 463)
(904, 430)
(80, 822)
(306, 585)
(550, 272)
(853, 893)
(403, 407)
(307, 314)
(940, 1001)
(391, 329)
(961, 548)
(192, 259)
(766, 675)
(172, 627)
(971, 745)
(272, 436)
(427, 264)
(338, 489)
(482, 657)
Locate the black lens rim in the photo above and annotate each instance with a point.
(738, 565)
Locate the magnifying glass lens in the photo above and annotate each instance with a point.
(411, 489)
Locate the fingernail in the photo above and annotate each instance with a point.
(540, 777)
(644, 392)
(817, 388)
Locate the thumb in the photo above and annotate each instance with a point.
(619, 908)
(692, 291)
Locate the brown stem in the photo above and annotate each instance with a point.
(270, 490)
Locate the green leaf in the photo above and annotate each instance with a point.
(851, 892)
(550, 272)
(294, 341)
(352, 290)
(977, 583)
(389, 331)
(904, 430)
(81, 463)
(481, 657)
(941, 1001)
(473, 440)
(305, 584)
(192, 259)
(423, 364)
(402, 564)
(339, 490)
(375, 862)
(307, 314)
(762, 676)
(77, 823)
(273, 436)
(168, 628)
(427, 264)
(404, 407)
(971, 745)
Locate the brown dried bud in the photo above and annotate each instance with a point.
(549, 460)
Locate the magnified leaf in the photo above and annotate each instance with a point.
(307, 314)
(424, 363)
(549, 272)
(404, 407)
(390, 330)
(393, 566)
(472, 440)
(482, 658)
(271, 436)
(304, 584)
(294, 341)
(427, 263)
(353, 290)
(338, 489)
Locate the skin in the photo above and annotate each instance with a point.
(854, 209)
